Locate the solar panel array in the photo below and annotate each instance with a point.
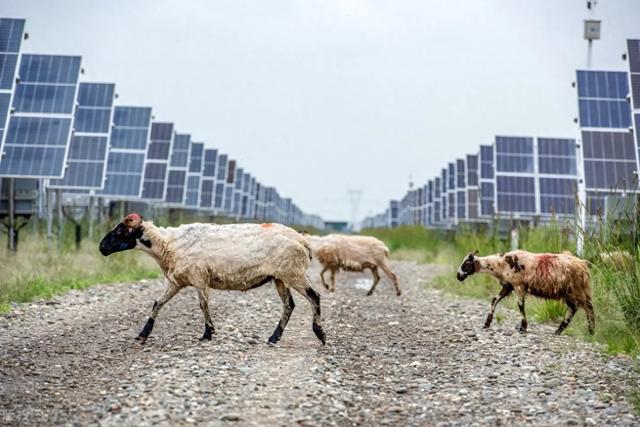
(73, 135)
(540, 178)
(37, 137)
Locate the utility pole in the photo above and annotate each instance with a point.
(354, 198)
(591, 33)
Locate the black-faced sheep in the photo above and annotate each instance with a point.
(552, 276)
(352, 253)
(228, 257)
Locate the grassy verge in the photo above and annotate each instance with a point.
(37, 272)
(615, 286)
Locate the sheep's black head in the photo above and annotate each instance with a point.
(468, 266)
(124, 236)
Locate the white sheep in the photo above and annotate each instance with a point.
(227, 257)
(352, 253)
(552, 276)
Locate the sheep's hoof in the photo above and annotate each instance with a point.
(558, 332)
(522, 330)
(141, 339)
(486, 326)
(208, 331)
(369, 293)
(398, 293)
(204, 338)
(317, 329)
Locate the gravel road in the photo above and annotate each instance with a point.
(420, 359)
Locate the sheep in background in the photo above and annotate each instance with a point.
(620, 260)
(352, 253)
(552, 276)
(228, 257)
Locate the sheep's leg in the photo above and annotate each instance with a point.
(203, 296)
(322, 277)
(376, 279)
(567, 318)
(591, 318)
(169, 293)
(333, 281)
(287, 302)
(392, 276)
(304, 288)
(505, 292)
(523, 324)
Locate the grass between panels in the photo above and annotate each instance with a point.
(615, 280)
(36, 271)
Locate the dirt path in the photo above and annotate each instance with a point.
(420, 359)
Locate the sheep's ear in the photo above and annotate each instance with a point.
(476, 252)
(132, 221)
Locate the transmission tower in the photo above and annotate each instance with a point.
(354, 198)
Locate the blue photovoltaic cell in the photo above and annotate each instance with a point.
(461, 204)
(228, 191)
(178, 166)
(516, 194)
(487, 197)
(156, 168)
(472, 170)
(218, 201)
(11, 31)
(38, 133)
(609, 160)
(557, 156)
(486, 162)
(558, 195)
(473, 198)
(86, 160)
(125, 159)
(514, 154)
(192, 197)
(602, 99)
(207, 184)
(460, 173)
(452, 176)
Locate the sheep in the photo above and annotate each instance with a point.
(227, 257)
(551, 276)
(352, 253)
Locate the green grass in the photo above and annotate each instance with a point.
(615, 287)
(36, 271)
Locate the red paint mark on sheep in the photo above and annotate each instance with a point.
(266, 225)
(545, 264)
(132, 220)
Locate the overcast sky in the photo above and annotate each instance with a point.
(318, 97)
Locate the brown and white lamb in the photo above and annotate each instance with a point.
(352, 253)
(236, 257)
(561, 277)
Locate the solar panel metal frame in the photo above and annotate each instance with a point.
(39, 115)
(60, 183)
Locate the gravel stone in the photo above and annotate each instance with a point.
(419, 359)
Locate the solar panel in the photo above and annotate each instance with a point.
(515, 176)
(609, 160)
(473, 193)
(437, 201)
(207, 186)
(127, 152)
(194, 175)
(237, 193)
(443, 201)
(218, 201)
(229, 186)
(487, 181)
(86, 162)
(461, 184)
(633, 49)
(602, 99)
(178, 168)
(11, 31)
(557, 175)
(38, 134)
(157, 162)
